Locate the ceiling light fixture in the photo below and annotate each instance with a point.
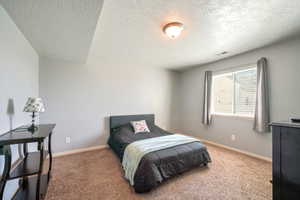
(173, 30)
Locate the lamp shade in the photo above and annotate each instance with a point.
(34, 105)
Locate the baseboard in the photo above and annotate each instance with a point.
(60, 154)
(203, 140)
(237, 150)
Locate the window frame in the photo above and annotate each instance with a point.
(225, 73)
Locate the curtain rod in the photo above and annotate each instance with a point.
(236, 67)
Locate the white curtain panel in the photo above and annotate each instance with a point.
(206, 114)
(262, 107)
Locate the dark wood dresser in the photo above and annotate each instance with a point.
(286, 160)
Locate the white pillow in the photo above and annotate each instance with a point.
(140, 126)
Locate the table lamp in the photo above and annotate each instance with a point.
(34, 105)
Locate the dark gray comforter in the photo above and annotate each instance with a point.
(160, 165)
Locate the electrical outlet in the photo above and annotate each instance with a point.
(233, 138)
(68, 140)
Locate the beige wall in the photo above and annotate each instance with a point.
(18, 80)
(284, 70)
(80, 98)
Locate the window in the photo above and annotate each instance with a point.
(234, 93)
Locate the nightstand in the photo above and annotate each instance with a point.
(33, 183)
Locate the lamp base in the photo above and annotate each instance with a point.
(32, 128)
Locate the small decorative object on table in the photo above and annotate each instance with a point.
(34, 105)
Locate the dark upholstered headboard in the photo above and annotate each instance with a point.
(115, 121)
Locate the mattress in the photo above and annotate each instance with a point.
(155, 167)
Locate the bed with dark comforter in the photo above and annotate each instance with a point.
(155, 167)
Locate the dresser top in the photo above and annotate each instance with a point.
(286, 124)
(21, 135)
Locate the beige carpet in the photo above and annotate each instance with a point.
(97, 175)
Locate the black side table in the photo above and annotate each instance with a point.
(33, 183)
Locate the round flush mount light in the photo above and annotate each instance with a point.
(173, 30)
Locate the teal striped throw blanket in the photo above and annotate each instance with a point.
(135, 151)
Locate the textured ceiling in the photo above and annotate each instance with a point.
(129, 31)
(60, 29)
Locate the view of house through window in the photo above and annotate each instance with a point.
(234, 93)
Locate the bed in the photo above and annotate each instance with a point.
(154, 167)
